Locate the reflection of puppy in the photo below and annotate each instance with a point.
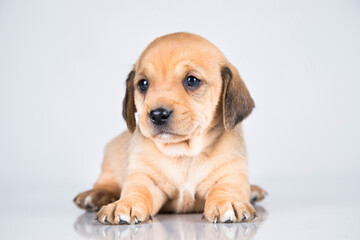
(187, 153)
(181, 226)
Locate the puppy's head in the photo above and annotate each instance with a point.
(182, 86)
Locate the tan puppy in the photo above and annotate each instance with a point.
(186, 153)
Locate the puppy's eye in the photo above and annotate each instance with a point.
(192, 82)
(143, 85)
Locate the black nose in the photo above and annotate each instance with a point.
(159, 116)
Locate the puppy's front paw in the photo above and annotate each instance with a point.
(228, 211)
(94, 199)
(124, 211)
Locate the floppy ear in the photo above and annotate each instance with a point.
(129, 108)
(237, 103)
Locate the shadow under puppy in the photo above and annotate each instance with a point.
(187, 152)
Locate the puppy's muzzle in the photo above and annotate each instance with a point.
(159, 116)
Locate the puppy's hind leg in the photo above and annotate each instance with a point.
(100, 195)
(105, 191)
(257, 193)
(108, 187)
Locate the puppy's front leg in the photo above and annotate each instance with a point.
(140, 199)
(229, 200)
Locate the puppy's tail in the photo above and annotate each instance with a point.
(257, 193)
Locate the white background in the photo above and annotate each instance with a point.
(63, 65)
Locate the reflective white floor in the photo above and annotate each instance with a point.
(307, 207)
(181, 226)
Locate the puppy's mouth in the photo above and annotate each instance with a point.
(169, 137)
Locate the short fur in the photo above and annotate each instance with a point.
(195, 163)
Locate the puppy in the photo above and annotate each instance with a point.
(186, 152)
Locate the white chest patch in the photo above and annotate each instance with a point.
(186, 200)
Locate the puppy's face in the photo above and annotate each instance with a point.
(177, 86)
